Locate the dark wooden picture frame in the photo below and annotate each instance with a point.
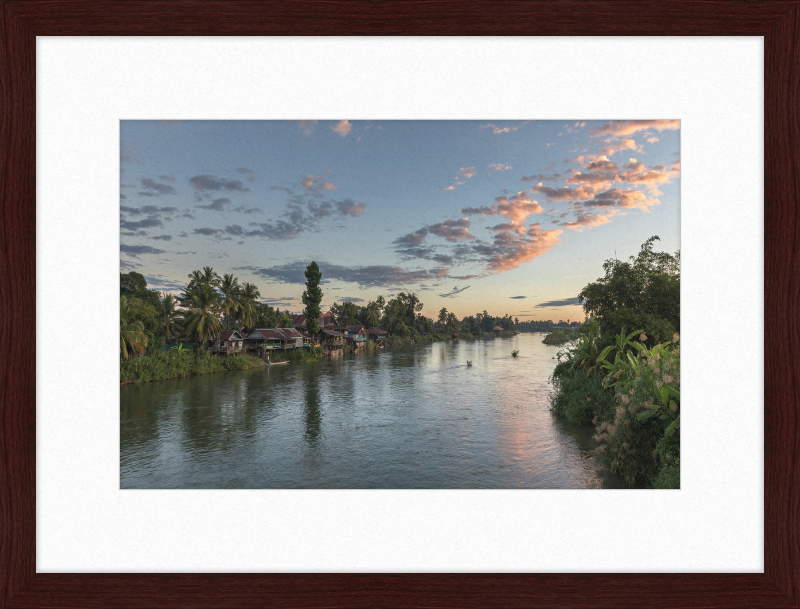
(778, 21)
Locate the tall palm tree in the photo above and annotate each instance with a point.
(201, 319)
(373, 314)
(131, 333)
(452, 324)
(230, 289)
(210, 277)
(169, 316)
(248, 299)
(207, 276)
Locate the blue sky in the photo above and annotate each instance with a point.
(508, 216)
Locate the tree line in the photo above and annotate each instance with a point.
(211, 303)
(621, 373)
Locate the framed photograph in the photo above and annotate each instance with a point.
(350, 234)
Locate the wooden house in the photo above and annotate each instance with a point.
(378, 335)
(229, 341)
(356, 335)
(497, 330)
(263, 340)
(332, 339)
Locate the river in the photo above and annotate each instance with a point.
(405, 417)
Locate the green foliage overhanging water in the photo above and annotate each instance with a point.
(628, 389)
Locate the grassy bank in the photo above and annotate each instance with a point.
(560, 337)
(296, 355)
(174, 364)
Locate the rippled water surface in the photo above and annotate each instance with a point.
(404, 417)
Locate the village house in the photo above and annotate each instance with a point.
(229, 341)
(378, 336)
(264, 340)
(497, 330)
(356, 335)
(325, 321)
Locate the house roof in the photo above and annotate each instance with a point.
(376, 331)
(327, 332)
(496, 328)
(278, 333)
(325, 320)
(354, 328)
(229, 335)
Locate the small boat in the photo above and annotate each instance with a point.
(469, 362)
(276, 363)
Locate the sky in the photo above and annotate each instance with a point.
(511, 217)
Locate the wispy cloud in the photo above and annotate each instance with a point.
(454, 292)
(564, 302)
(364, 276)
(621, 128)
(155, 189)
(307, 127)
(343, 128)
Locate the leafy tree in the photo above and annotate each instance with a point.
(373, 314)
(344, 312)
(169, 317)
(230, 289)
(248, 299)
(207, 276)
(381, 302)
(131, 284)
(453, 325)
(312, 297)
(643, 292)
(201, 319)
(131, 333)
(412, 305)
(442, 316)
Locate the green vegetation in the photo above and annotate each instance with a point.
(627, 383)
(176, 364)
(312, 297)
(560, 337)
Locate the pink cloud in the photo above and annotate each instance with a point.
(453, 230)
(467, 172)
(311, 182)
(512, 250)
(590, 220)
(621, 128)
(498, 167)
(343, 128)
(307, 127)
(516, 208)
(564, 194)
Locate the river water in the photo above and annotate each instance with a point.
(405, 417)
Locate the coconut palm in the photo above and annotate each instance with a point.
(248, 300)
(201, 319)
(373, 314)
(169, 316)
(207, 276)
(230, 289)
(131, 333)
(453, 324)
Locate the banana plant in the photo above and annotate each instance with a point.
(665, 407)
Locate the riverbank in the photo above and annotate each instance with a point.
(175, 364)
(165, 365)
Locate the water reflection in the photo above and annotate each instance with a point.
(407, 417)
(312, 412)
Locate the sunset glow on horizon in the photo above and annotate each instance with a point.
(512, 217)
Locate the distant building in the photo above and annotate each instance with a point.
(497, 330)
(377, 335)
(356, 335)
(263, 340)
(229, 341)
